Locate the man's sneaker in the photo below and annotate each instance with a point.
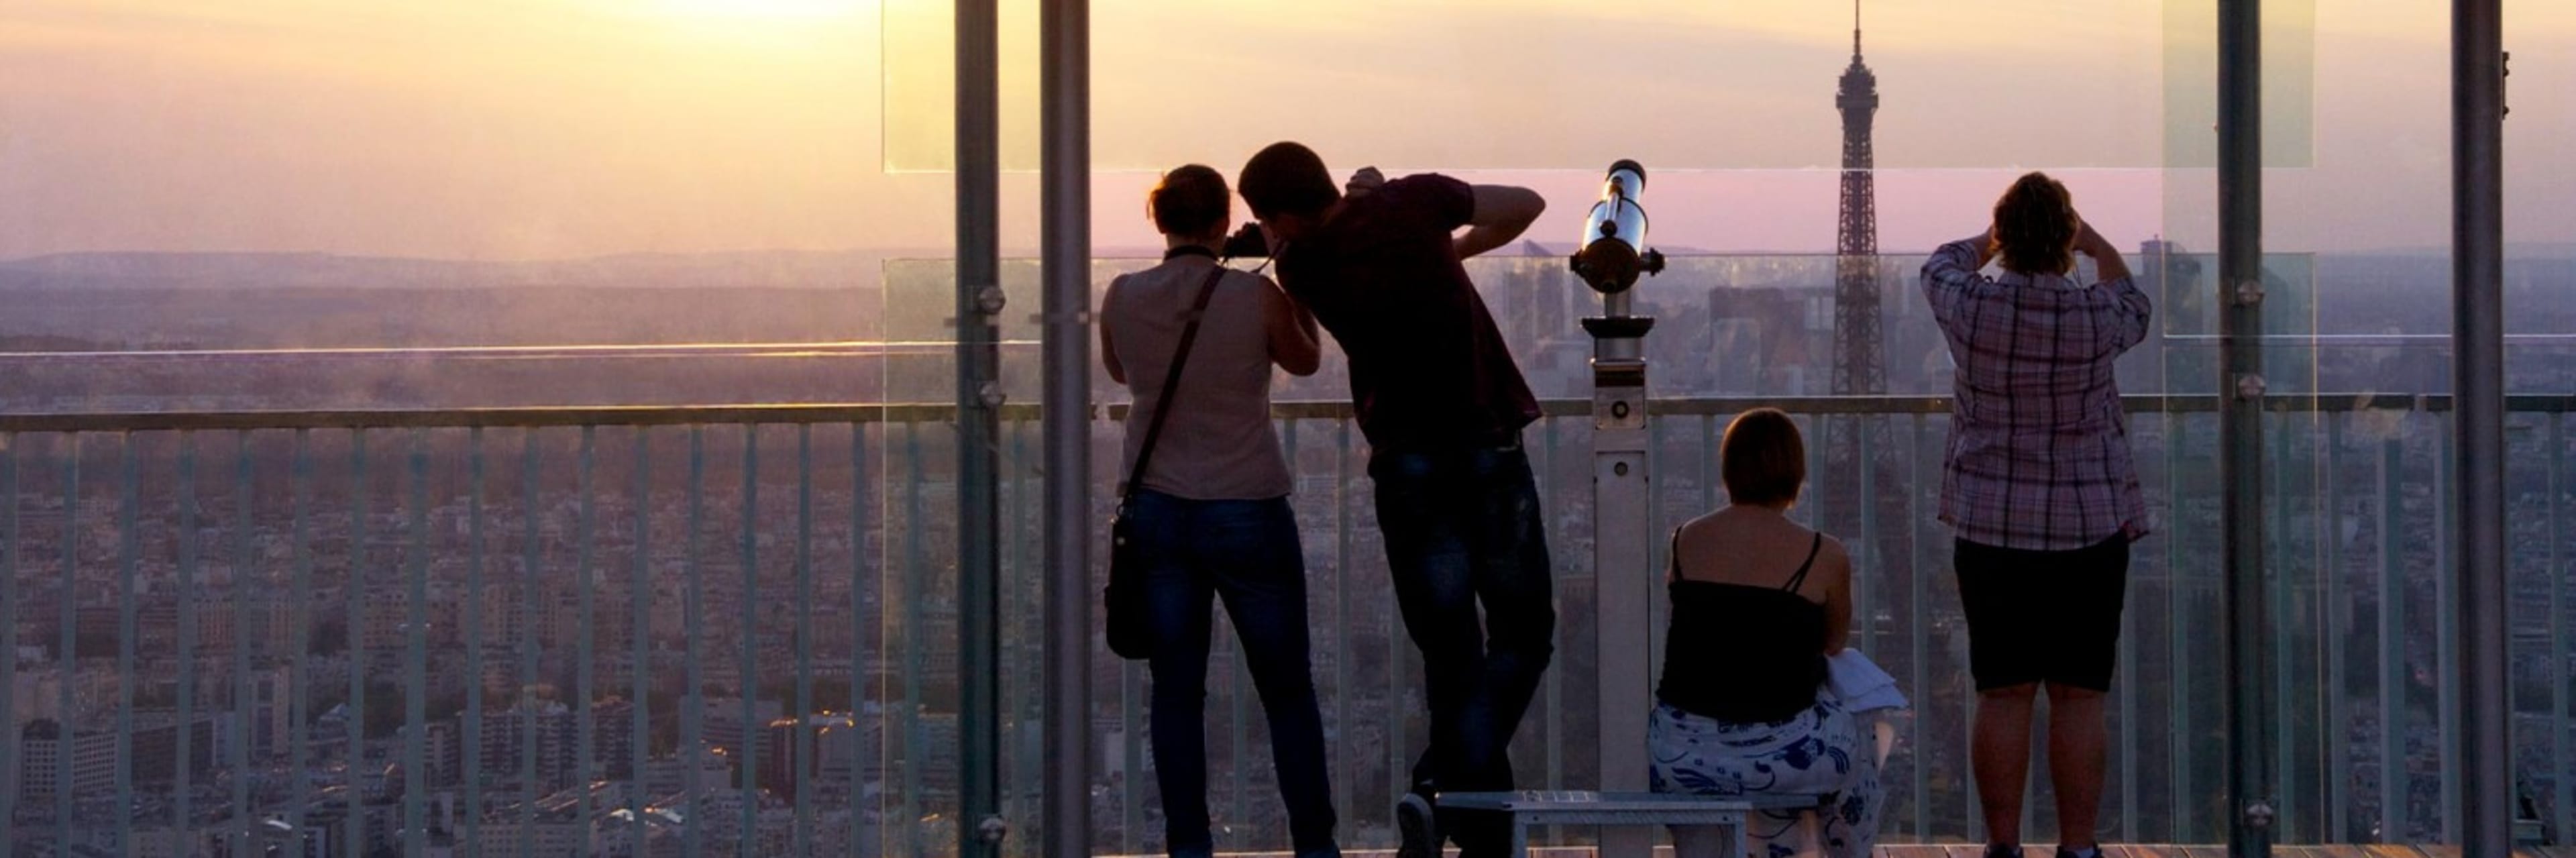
(2088, 852)
(1997, 851)
(1418, 828)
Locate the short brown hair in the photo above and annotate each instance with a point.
(1191, 201)
(2035, 226)
(1763, 458)
(1287, 178)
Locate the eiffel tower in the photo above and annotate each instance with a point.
(1860, 353)
(1860, 477)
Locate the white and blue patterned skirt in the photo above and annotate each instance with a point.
(1821, 751)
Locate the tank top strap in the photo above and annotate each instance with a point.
(1800, 579)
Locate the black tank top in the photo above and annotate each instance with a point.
(1740, 653)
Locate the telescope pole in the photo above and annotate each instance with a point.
(1622, 557)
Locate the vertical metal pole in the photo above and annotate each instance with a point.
(2477, 337)
(2395, 781)
(1064, 86)
(1624, 576)
(979, 401)
(2240, 262)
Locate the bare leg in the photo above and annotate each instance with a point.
(2077, 742)
(2001, 757)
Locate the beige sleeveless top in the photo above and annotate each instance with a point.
(1219, 443)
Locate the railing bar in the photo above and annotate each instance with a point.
(2337, 614)
(1811, 509)
(530, 644)
(128, 599)
(915, 745)
(475, 468)
(300, 624)
(1241, 785)
(243, 711)
(1345, 760)
(693, 713)
(1556, 736)
(2562, 654)
(1920, 592)
(639, 633)
(2129, 728)
(68, 644)
(1873, 564)
(585, 706)
(354, 593)
(2284, 585)
(859, 566)
(1708, 478)
(747, 684)
(866, 413)
(1024, 561)
(9, 545)
(2446, 632)
(804, 732)
(183, 769)
(416, 656)
(2177, 613)
(2393, 776)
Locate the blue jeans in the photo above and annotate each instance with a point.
(1245, 552)
(1463, 530)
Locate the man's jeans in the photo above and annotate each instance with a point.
(1463, 528)
(1245, 552)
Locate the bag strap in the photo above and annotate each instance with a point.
(1172, 381)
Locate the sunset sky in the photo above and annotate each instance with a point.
(521, 129)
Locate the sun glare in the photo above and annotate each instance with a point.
(768, 8)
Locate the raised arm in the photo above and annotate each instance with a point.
(1295, 342)
(1501, 214)
(1952, 271)
(2136, 310)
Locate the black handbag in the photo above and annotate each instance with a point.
(1130, 630)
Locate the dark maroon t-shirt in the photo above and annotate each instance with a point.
(1429, 370)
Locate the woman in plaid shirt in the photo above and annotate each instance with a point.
(2042, 492)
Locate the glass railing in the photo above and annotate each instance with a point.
(423, 629)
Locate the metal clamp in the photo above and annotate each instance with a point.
(992, 830)
(2251, 387)
(2260, 815)
(990, 300)
(990, 394)
(2250, 292)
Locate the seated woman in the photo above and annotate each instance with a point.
(1744, 705)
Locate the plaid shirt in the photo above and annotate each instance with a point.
(2039, 451)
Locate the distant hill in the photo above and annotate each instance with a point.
(761, 269)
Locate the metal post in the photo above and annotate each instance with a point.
(1064, 85)
(979, 401)
(2240, 283)
(2477, 336)
(1622, 558)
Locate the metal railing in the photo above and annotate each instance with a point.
(306, 630)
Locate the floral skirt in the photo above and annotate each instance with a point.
(1821, 751)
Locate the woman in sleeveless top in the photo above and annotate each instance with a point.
(1212, 512)
(1743, 708)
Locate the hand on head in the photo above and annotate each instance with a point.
(1362, 182)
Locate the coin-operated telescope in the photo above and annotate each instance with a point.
(1613, 255)
(1614, 250)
